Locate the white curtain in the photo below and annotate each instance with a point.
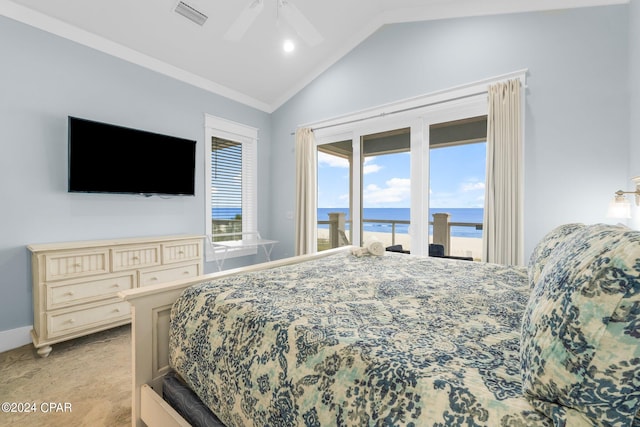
(306, 184)
(502, 237)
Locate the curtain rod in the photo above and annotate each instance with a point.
(505, 77)
(404, 110)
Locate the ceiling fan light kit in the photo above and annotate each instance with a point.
(191, 13)
(299, 23)
(289, 13)
(244, 21)
(288, 46)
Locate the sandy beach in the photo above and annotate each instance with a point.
(460, 246)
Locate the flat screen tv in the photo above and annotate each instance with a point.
(105, 158)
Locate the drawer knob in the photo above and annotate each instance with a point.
(135, 258)
(71, 321)
(77, 264)
(116, 310)
(181, 252)
(153, 278)
(115, 285)
(185, 272)
(70, 293)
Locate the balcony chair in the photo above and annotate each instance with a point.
(435, 250)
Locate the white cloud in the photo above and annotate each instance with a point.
(332, 161)
(396, 191)
(472, 186)
(369, 166)
(340, 162)
(367, 169)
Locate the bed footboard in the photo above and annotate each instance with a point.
(150, 342)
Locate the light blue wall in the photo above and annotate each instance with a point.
(43, 79)
(577, 103)
(634, 84)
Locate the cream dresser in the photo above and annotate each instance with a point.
(75, 284)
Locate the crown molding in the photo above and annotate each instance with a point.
(62, 29)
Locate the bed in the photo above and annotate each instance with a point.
(338, 339)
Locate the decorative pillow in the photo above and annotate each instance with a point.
(543, 250)
(580, 344)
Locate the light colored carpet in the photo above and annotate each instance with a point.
(89, 375)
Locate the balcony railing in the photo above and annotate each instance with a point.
(228, 227)
(441, 229)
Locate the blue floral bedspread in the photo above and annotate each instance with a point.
(392, 340)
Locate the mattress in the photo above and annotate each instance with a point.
(344, 340)
(181, 398)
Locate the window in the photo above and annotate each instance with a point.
(231, 203)
(226, 188)
(457, 170)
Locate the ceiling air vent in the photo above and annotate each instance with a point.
(191, 13)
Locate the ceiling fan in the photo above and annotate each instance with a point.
(289, 13)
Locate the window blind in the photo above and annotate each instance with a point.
(226, 186)
(233, 183)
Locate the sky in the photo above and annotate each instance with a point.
(457, 176)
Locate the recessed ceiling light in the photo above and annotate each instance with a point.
(288, 46)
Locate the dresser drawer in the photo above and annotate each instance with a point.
(66, 265)
(67, 293)
(68, 322)
(131, 257)
(168, 274)
(181, 251)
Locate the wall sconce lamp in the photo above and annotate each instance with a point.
(620, 206)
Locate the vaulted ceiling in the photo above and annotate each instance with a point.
(253, 70)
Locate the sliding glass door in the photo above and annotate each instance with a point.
(386, 188)
(384, 175)
(457, 170)
(335, 194)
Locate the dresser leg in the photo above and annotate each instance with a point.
(44, 351)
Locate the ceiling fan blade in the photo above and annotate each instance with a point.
(244, 21)
(300, 24)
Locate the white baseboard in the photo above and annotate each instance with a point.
(14, 338)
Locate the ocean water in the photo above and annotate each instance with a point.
(471, 215)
